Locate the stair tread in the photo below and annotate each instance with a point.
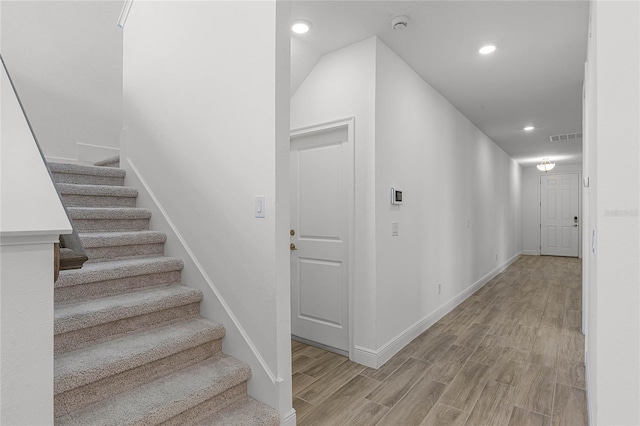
(107, 161)
(108, 213)
(246, 413)
(91, 363)
(114, 239)
(165, 397)
(114, 269)
(81, 169)
(89, 313)
(97, 190)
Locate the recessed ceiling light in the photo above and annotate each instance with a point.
(301, 26)
(485, 50)
(529, 128)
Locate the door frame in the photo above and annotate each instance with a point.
(580, 212)
(349, 122)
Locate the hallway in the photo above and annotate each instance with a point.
(511, 354)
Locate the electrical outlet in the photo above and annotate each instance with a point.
(439, 288)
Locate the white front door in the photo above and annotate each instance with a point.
(321, 173)
(559, 214)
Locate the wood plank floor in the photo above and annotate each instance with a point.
(511, 354)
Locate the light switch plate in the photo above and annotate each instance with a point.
(394, 229)
(261, 207)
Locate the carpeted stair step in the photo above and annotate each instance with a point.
(246, 413)
(130, 345)
(103, 279)
(102, 246)
(109, 219)
(77, 325)
(74, 195)
(86, 175)
(212, 384)
(94, 373)
(109, 162)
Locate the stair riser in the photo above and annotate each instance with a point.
(111, 225)
(102, 254)
(107, 288)
(209, 407)
(82, 396)
(75, 200)
(77, 339)
(87, 179)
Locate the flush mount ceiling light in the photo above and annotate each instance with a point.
(546, 165)
(301, 26)
(485, 50)
(400, 22)
(529, 128)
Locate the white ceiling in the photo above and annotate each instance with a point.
(534, 77)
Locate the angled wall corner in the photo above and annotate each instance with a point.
(205, 132)
(408, 135)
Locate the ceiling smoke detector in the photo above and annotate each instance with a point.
(400, 22)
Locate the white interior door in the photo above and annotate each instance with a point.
(559, 214)
(321, 172)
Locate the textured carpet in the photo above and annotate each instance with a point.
(130, 344)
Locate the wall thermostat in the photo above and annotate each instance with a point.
(396, 196)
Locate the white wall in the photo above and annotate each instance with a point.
(206, 127)
(612, 165)
(410, 137)
(590, 220)
(342, 85)
(450, 172)
(66, 60)
(31, 220)
(531, 204)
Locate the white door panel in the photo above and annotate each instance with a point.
(319, 189)
(321, 296)
(321, 170)
(559, 214)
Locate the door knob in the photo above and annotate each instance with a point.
(292, 247)
(292, 232)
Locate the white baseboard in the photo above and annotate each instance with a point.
(65, 160)
(376, 358)
(365, 356)
(87, 153)
(530, 253)
(289, 419)
(587, 375)
(264, 384)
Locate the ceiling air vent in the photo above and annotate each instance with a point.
(567, 137)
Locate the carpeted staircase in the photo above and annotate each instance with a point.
(130, 344)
